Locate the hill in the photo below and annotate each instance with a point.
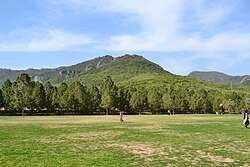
(135, 70)
(214, 76)
(121, 69)
(141, 86)
(56, 75)
(129, 70)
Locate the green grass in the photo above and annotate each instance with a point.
(160, 140)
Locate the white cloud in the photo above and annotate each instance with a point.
(164, 25)
(162, 30)
(48, 40)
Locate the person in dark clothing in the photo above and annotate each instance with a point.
(246, 119)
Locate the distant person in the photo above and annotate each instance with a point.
(169, 112)
(243, 112)
(121, 116)
(246, 119)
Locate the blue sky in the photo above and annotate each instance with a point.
(180, 35)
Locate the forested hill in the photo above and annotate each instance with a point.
(91, 71)
(13, 74)
(214, 76)
(122, 69)
(129, 83)
(56, 75)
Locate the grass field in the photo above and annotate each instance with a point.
(159, 140)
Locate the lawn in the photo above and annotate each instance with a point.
(158, 140)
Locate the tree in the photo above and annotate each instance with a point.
(154, 100)
(1, 99)
(179, 95)
(22, 90)
(109, 94)
(94, 98)
(216, 100)
(168, 99)
(139, 100)
(62, 96)
(123, 97)
(76, 97)
(199, 102)
(38, 96)
(229, 105)
(55, 99)
(49, 91)
(7, 94)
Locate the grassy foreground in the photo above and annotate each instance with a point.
(160, 140)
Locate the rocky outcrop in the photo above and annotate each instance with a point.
(65, 74)
(37, 79)
(104, 62)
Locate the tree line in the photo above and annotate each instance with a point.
(26, 97)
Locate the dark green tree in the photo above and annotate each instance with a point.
(123, 98)
(168, 99)
(109, 94)
(76, 97)
(7, 94)
(55, 99)
(154, 100)
(38, 95)
(49, 91)
(139, 100)
(199, 102)
(22, 90)
(180, 95)
(1, 99)
(62, 96)
(94, 98)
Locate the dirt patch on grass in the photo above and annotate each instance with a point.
(150, 152)
(214, 158)
(146, 151)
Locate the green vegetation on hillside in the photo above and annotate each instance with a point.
(129, 83)
(121, 69)
(214, 76)
(56, 75)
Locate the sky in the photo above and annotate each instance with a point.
(180, 35)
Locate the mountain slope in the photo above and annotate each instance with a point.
(137, 71)
(63, 73)
(13, 74)
(214, 76)
(125, 71)
(121, 69)
(56, 75)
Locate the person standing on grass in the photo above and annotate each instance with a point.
(243, 112)
(169, 112)
(121, 116)
(246, 119)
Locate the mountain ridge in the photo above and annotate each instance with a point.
(215, 76)
(58, 74)
(121, 69)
